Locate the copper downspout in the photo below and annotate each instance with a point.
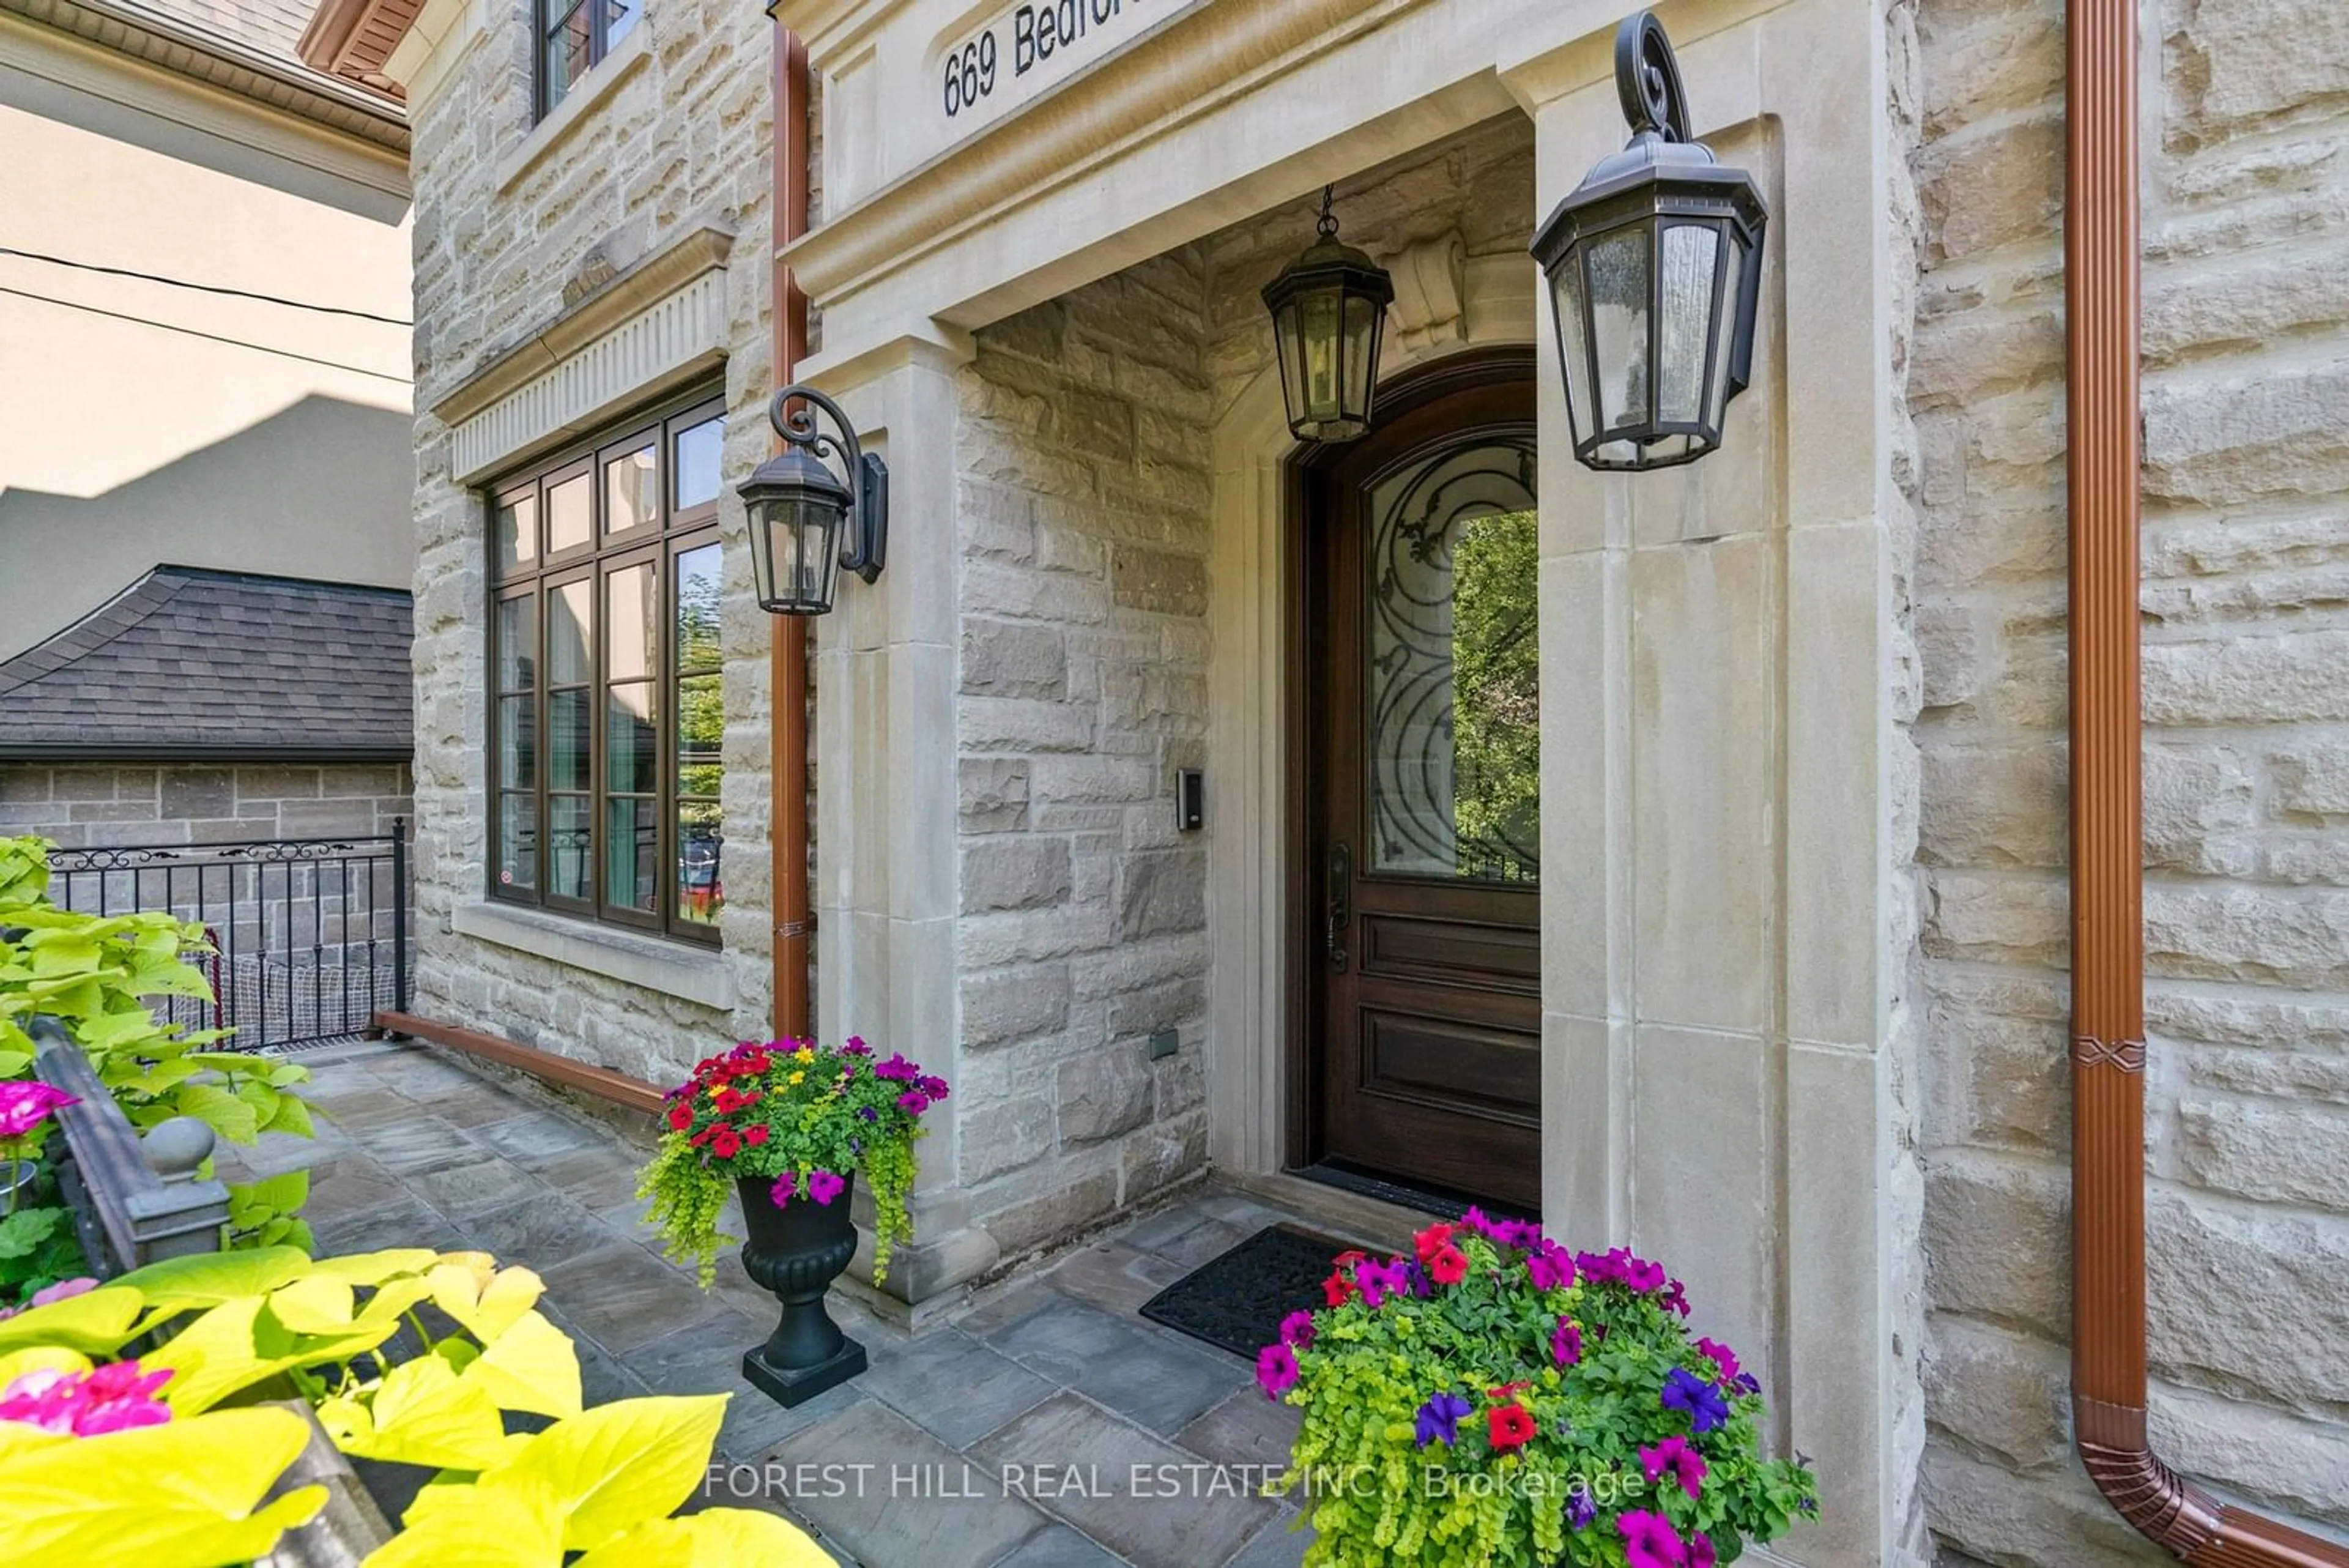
(787, 649)
(2108, 1312)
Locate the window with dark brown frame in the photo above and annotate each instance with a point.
(573, 37)
(606, 719)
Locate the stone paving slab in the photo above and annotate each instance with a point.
(1049, 1369)
(1150, 1501)
(893, 1494)
(1152, 1378)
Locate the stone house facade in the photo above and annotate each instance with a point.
(1796, 1006)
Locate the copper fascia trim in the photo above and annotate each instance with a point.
(2107, 1055)
(352, 39)
(787, 648)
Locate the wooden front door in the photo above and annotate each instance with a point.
(1423, 1012)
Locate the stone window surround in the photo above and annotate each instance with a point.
(652, 329)
(689, 972)
(586, 95)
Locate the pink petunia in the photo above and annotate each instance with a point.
(24, 1105)
(781, 1192)
(824, 1187)
(1650, 1540)
(1721, 1357)
(87, 1404)
(1276, 1370)
(1297, 1330)
(1565, 1343)
(1700, 1550)
(914, 1101)
(1674, 1458)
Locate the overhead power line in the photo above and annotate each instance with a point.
(208, 337)
(205, 287)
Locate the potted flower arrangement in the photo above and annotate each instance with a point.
(1498, 1400)
(790, 1125)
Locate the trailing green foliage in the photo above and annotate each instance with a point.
(37, 1249)
(97, 974)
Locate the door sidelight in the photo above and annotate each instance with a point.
(1340, 904)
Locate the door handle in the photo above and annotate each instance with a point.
(1341, 906)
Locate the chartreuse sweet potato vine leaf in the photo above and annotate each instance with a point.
(182, 1495)
(609, 1468)
(714, 1537)
(531, 1366)
(515, 1525)
(97, 1323)
(422, 1413)
(209, 1279)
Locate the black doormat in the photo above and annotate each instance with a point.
(1236, 1299)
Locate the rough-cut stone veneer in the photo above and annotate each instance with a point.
(74, 805)
(683, 142)
(1084, 494)
(1084, 500)
(2246, 547)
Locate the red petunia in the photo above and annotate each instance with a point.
(1431, 1240)
(1509, 1426)
(1337, 1290)
(1448, 1265)
(680, 1116)
(726, 1144)
(756, 1133)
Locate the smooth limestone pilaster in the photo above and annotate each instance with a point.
(1716, 936)
(887, 899)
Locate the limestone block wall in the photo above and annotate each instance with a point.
(76, 805)
(1084, 499)
(2246, 541)
(501, 247)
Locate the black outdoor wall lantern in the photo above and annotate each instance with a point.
(805, 523)
(1654, 269)
(1328, 309)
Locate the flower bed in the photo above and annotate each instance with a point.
(1496, 1400)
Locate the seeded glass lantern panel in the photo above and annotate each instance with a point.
(796, 510)
(1654, 281)
(1329, 312)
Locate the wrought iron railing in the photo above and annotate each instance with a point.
(307, 938)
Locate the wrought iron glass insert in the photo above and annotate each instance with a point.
(1453, 721)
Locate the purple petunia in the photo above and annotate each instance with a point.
(868, 1113)
(1685, 1391)
(1438, 1419)
(932, 1086)
(1276, 1370)
(896, 1067)
(1581, 1509)
(856, 1047)
(914, 1101)
(1380, 1281)
(1565, 1343)
(1724, 1360)
(780, 1192)
(824, 1187)
(1549, 1266)
(1297, 1330)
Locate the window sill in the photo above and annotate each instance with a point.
(674, 969)
(577, 104)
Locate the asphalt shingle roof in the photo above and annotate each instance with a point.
(194, 662)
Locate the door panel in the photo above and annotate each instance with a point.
(1424, 1021)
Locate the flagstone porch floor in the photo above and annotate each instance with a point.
(1044, 1425)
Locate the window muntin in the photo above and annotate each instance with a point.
(573, 38)
(606, 723)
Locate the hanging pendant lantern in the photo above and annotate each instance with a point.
(1328, 311)
(1655, 276)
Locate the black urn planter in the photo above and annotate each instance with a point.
(797, 1251)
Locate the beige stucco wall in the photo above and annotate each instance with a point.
(124, 445)
(2245, 217)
